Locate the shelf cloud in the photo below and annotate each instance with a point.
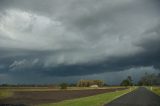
(76, 38)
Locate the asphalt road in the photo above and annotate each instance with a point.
(139, 97)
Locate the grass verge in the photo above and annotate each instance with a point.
(5, 93)
(97, 100)
(156, 90)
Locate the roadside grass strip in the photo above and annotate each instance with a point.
(156, 90)
(96, 100)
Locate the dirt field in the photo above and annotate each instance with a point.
(38, 97)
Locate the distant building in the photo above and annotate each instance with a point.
(90, 83)
(94, 86)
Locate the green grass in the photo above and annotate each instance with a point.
(5, 93)
(97, 100)
(156, 90)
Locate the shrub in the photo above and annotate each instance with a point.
(64, 85)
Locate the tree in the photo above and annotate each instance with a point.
(127, 82)
(64, 85)
(149, 80)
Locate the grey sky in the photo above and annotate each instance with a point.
(74, 38)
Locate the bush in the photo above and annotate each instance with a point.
(127, 82)
(64, 85)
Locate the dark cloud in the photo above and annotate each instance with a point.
(76, 38)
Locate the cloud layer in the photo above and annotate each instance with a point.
(78, 38)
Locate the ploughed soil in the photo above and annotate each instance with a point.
(38, 97)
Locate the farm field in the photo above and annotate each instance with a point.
(96, 100)
(30, 96)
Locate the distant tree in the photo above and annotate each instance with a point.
(72, 85)
(129, 79)
(105, 84)
(127, 82)
(63, 85)
(149, 80)
(5, 85)
(158, 79)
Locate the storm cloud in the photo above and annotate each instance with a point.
(75, 38)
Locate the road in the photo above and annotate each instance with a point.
(139, 97)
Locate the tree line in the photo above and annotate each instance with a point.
(146, 80)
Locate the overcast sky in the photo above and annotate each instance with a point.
(51, 41)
